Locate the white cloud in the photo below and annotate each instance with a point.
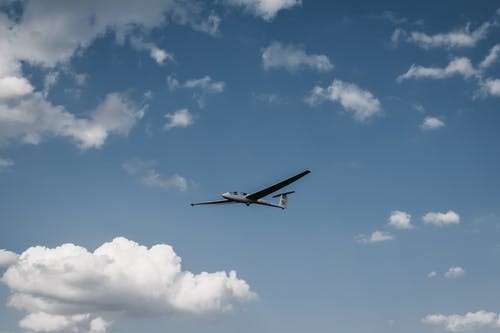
(458, 66)
(69, 288)
(7, 258)
(491, 58)
(490, 87)
(441, 219)
(48, 35)
(361, 103)
(454, 272)
(146, 172)
(49, 81)
(203, 86)
(205, 83)
(397, 35)
(180, 118)
(13, 87)
(5, 163)
(157, 54)
(265, 9)
(375, 237)
(431, 123)
(432, 275)
(293, 58)
(33, 117)
(99, 325)
(469, 321)
(464, 37)
(45, 322)
(400, 220)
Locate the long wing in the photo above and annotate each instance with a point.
(213, 202)
(268, 190)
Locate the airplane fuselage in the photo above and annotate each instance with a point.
(242, 198)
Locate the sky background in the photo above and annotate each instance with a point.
(114, 117)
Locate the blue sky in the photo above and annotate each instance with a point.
(115, 116)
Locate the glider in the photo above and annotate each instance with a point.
(256, 197)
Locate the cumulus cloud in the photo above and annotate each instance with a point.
(375, 237)
(147, 174)
(400, 220)
(469, 321)
(180, 118)
(431, 123)
(32, 118)
(361, 103)
(441, 219)
(69, 288)
(293, 58)
(454, 272)
(7, 258)
(265, 9)
(460, 38)
(458, 66)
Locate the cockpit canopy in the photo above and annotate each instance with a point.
(238, 193)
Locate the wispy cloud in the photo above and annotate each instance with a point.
(147, 174)
(466, 322)
(202, 86)
(376, 237)
(459, 38)
(159, 55)
(361, 103)
(293, 58)
(491, 57)
(458, 66)
(5, 163)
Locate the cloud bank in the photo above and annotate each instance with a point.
(69, 288)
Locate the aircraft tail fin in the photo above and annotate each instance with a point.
(283, 198)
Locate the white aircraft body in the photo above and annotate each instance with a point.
(256, 197)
